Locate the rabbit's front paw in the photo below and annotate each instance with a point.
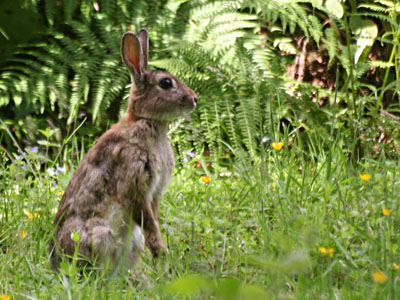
(156, 244)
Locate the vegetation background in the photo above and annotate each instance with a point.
(286, 184)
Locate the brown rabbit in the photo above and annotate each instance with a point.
(116, 189)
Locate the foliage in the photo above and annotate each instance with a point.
(288, 217)
(225, 50)
(299, 225)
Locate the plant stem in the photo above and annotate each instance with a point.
(351, 61)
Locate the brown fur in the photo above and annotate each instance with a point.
(117, 187)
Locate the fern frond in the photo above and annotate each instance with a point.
(69, 9)
(374, 7)
(382, 17)
(315, 28)
(285, 45)
(330, 42)
(381, 64)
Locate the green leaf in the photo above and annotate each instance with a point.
(75, 236)
(363, 28)
(366, 31)
(334, 7)
(316, 2)
(252, 292)
(229, 288)
(189, 285)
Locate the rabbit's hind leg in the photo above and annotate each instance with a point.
(103, 243)
(144, 215)
(137, 244)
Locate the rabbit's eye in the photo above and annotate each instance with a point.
(166, 83)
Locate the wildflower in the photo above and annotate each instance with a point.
(277, 146)
(22, 234)
(20, 156)
(365, 177)
(225, 173)
(31, 216)
(60, 169)
(60, 193)
(386, 212)
(185, 159)
(323, 250)
(327, 251)
(34, 149)
(395, 266)
(379, 276)
(24, 167)
(191, 154)
(5, 297)
(205, 179)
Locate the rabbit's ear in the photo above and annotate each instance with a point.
(132, 55)
(144, 41)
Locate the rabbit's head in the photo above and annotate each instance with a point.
(154, 95)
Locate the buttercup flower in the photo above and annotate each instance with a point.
(22, 234)
(395, 266)
(327, 251)
(205, 179)
(5, 297)
(31, 216)
(277, 145)
(379, 276)
(365, 177)
(386, 211)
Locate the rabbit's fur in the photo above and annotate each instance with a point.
(116, 189)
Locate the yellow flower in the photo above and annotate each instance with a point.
(5, 297)
(31, 216)
(365, 177)
(327, 251)
(379, 276)
(386, 211)
(22, 234)
(395, 266)
(277, 146)
(205, 179)
(60, 193)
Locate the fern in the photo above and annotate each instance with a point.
(315, 28)
(331, 44)
(227, 51)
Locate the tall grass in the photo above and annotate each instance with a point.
(297, 224)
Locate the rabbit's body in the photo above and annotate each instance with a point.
(116, 189)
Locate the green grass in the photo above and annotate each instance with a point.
(253, 232)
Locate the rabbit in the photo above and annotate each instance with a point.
(112, 200)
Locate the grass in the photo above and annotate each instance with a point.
(298, 224)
